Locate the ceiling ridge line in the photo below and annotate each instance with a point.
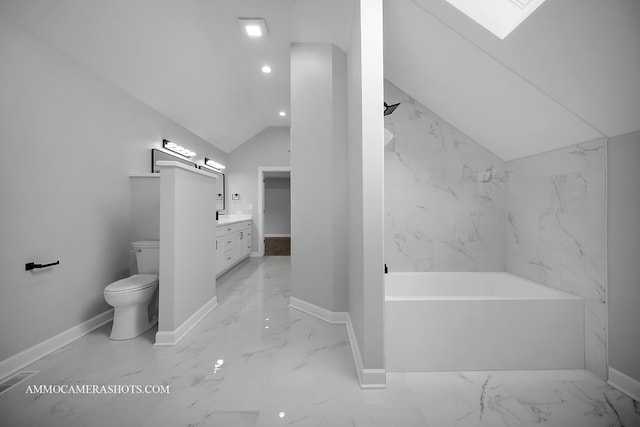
(519, 75)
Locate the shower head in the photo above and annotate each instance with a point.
(388, 109)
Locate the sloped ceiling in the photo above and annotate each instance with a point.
(188, 59)
(568, 74)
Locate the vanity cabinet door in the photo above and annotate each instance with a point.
(240, 237)
(230, 244)
(248, 242)
(244, 243)
(220, 265)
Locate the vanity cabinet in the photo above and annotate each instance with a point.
(233, 244)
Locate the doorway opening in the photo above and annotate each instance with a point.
(274, 211)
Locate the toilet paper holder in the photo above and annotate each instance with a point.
(32, 265)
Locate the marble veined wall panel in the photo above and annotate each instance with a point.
(556, 230)
(444, 194)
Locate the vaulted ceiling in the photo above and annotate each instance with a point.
(189, 59)
(568, 74)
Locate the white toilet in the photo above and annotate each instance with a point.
(130, 297)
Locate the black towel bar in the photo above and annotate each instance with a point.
(32, 265)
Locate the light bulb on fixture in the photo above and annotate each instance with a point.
(266, 69)
(282, 114)
(212, 164)
(178, 149)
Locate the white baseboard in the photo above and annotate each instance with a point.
(169, 338)
(624, 383)
(333, 317)
(368, 378)
(277, 235)
(38, 351)
(254, 254)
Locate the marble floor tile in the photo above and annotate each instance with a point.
(254, 361)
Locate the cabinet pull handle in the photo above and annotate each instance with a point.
(229, 241)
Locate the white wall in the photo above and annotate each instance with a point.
(624, 253)
(69, 141)
(268, 148)
(277, 206)
(187, 245)
(366, 189)
(318, 193)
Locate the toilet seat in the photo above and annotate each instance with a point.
(134, 283)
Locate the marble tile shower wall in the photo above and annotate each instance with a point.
(444, 195)
(451, 205)
(556, 230)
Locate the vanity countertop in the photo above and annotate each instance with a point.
(232, 219)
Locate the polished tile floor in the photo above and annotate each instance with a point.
(283, 367)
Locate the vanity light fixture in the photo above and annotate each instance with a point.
(282, 114)
(253, 27)
(266, 69)
(179, 149)
(212, 164)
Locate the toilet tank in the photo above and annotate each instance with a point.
(147, 256)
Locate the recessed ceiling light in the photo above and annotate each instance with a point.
(253, 30)
(253, 27)
(266, 69)
(282, 114)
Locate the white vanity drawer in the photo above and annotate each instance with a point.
(223, 229)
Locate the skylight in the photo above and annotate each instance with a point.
(498, 16)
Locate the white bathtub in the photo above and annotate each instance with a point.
(479, 321)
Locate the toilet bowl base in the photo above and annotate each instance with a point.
(130, 322)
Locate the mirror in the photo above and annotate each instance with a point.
(221, 185)
(157, 155)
